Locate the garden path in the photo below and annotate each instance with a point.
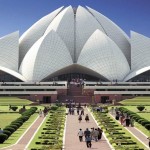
(24, 140)
(140, 136)
(72, 128)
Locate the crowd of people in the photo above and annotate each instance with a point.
(124, 118)
(94, 134)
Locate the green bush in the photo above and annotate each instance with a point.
(9, 129)
(54, 107)
(145, 122)
(147, 126)
(7, 132)
(140, 108)
(17, 124)
(14, 108)
(3, 137)
(13, 126)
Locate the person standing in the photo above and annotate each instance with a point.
(77, 110)
(80, 118)
(80, 134)
(87, 118)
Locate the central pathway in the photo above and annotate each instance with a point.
(72, 128)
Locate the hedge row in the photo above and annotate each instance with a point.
(144, 122)
(115, 132)
(14, 125)
(52, 133)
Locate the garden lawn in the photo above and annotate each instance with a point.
(14, 101)
(7, 118)
(17, 134)
(5, 109)
(141, 100)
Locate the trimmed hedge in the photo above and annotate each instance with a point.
(3, 137)
(8, 130)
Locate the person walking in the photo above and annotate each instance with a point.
(80, 134)
(88, 140)
(77, 110)
(80, 118)
(87, 118)
(82, 111)
(148, 141)
(100, 133)
(87, 133)
(40, 113)
(95, 135)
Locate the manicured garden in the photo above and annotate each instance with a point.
(144, 100)
(50, 134)
(120, 138)
(14, 101)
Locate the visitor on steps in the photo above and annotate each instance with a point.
(80, 118)
(78, 111)
(87, 118)
(82, 111)
(80, 134)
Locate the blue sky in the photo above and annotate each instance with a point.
(128, 14)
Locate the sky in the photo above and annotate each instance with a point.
(128, 14)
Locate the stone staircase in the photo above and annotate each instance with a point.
(75, 93)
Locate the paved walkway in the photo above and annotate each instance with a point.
(21, 144)
(72, 128)
(141, 137)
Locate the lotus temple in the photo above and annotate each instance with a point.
(74, 53)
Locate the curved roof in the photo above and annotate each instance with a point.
(9, 51)
(140, 51)
(13, 73)
(103, 56)
(86, 24)
(63, 24)
(34, 33)
(136, 73)
(114, 32)
(44, 57)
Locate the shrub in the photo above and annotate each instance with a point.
(140, 108)
(14, 108)
(145, 122)
(147, 126)
(17, 124)
(3, 137)
(13, 126)
(7, 132)
(18, 121)
(9, 129)
(54, 107)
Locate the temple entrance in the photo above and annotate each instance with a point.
(104, 99)
(46, 99)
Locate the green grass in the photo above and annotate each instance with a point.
(14, 101)
(7, 118)
(6, 108)
(141, 100)
(17, 134)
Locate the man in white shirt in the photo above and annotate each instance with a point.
(80, 134)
